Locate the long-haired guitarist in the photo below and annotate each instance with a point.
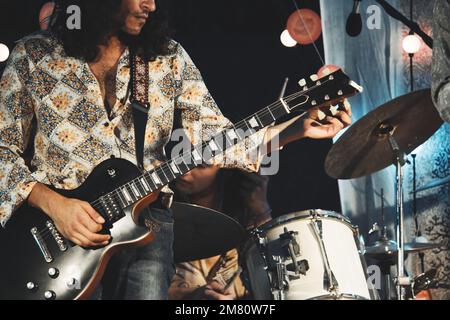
(70, 87)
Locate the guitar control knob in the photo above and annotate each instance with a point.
(53, 273)
(31, 286)
(71, 282)
(49, 295)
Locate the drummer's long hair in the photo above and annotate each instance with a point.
(231, 190)
(98, 20)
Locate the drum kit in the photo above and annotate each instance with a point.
(317, 254)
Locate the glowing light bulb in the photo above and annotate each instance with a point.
(287, 40)
(411, 44)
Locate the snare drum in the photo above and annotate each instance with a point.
(311, 254)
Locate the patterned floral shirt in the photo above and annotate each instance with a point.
(199, 273)
(74, 132)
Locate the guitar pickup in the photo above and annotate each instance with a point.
(42, 245)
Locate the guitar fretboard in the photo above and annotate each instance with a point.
(164, 174)
(315, 92)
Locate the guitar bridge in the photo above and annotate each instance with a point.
(42, 245)
(57, 236)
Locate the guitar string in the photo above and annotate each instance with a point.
(264, 112)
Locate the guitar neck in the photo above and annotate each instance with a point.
(155, 179)
(315, 92)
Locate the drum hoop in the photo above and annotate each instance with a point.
(305, 214)
(343, 295)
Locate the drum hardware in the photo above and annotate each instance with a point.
(424, 281)
(402, 281)
(329, 281)
(281, 281)
(291, 249)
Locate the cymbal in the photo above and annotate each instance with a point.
(200, 232)
(389, 248)
(433, 184)
(364, 148)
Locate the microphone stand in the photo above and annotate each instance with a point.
(394, 13)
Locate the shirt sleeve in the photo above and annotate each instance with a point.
(441, 59)
(16, 115)
(201, 119)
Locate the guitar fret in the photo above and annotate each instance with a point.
(155, 178)
(174, 167)
(126, 194)
(252, 123)
(270, 111)
(130, 192)
(213, 146)
(232, 135)
(119, 196)
(149, 181)
(167, 172)
(183, 166)
(227, 142)
(266, 118)
(221, 145)
(140, 187)
(144, 184)
(278, 111)
(135, 191)
(164, 175)
(196, 156)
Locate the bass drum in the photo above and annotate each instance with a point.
(328, 263)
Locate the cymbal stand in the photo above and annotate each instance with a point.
(402, 281)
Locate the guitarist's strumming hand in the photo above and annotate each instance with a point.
(75, 219)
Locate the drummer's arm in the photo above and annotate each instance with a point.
(179, 290)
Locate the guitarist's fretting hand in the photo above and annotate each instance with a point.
(75, 219)
(323, 123)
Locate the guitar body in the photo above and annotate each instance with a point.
(72, 273)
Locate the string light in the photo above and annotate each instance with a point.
(4, 52)
(411, 44)
(287, 40)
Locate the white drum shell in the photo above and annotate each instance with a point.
(340, 242)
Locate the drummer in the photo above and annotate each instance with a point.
(242, 196)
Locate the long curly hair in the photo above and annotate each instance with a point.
(98, 19)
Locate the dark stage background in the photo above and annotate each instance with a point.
(235, 44)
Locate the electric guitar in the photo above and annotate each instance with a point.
(38, 263)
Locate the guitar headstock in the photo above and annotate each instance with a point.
(327, 90)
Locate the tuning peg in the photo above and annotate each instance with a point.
(327, 97)
(302, 83)
(334, 109)
(314, 77)
(340, 93)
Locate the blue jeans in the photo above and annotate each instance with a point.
(143, 273)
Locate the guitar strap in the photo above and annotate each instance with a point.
(139, 80)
